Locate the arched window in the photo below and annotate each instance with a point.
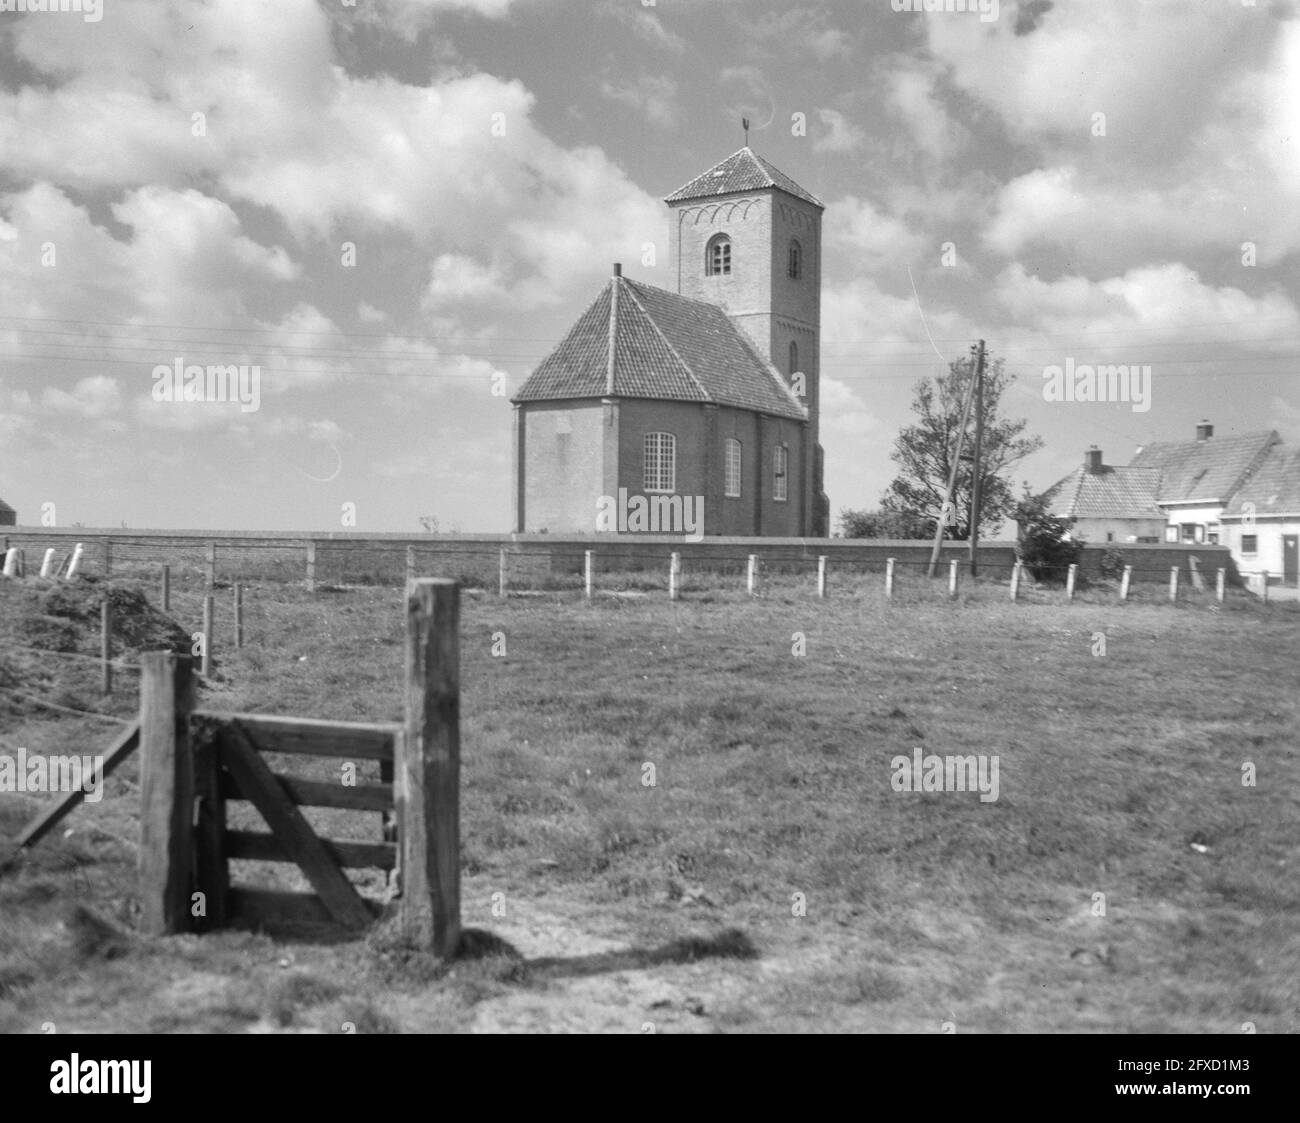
(717, 256)
(780, 464)
(733, 469)
(794, 357)
(660, 462)
(794, 266)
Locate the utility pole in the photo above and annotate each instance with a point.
(952, 480)
(977, 467)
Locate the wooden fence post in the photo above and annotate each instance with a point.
(1070, 575)
(11, 562)
(108, 557)
(75, 561)
(106, 644)
(501, 573)
(587, 556)
(889, 577)
(47, 562)
(428, 775)
(1173, 583)
(212, 564)
(239, 616)
(952, 578)
(410, 567)
(821, 575)
(1219, 581)
(1015, 579)
(166, 793)
(1124, 582)
(211, 866)
(1263, 585)
(751, 576)
(206, 667)
(166, 588)
(674, 573)
(311, 567)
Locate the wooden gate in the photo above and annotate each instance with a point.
(193, 764)
(229, 765)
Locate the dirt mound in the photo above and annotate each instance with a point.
(45, 624)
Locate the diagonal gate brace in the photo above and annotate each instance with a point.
(259, 785)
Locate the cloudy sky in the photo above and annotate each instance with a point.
(396, 207)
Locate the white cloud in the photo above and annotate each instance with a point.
(838, 134)
(654, 95)
(1161, 302)
(858, 231)
(91, 397)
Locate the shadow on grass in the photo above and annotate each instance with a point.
(731, 943)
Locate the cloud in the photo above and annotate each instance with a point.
(838, 134)
(914, 96)
(654, 95)
(91, 397)
(1030, 14)
(1161, 302)
(857, 230)
(644, 24)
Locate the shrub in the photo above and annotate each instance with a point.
(1046, 547)
(1111, 566)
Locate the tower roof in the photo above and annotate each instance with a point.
(744, 170)
(665, 346)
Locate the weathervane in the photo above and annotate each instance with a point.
(744, 122)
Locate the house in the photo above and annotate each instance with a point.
(703, 397)
(1261, 523)
(1198, 478)
(1111, 503)
(8, 516)
(1242, 492)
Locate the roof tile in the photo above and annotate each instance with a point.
(666, 346)
(744, 170)
(1206, 471)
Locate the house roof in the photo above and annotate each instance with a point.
(666, 346)
(5, 509)
(1114, 492)
(744, 170)
(1206, 471)
(1274, 486)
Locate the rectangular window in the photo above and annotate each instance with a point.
(733, 469)
(660, 462)
(1249, 543)
(1212, 534)
(1171, 534)
(780, 463)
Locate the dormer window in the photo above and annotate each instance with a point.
(794, 265)
(717, 256)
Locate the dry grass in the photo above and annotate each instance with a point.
(626, 904)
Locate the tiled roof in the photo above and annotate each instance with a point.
(741, 171)
(1274, 487)
(1206, 471)
(1115, 492)
(666, 346)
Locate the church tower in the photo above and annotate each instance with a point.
(746, 237)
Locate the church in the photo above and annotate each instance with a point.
(703, 398)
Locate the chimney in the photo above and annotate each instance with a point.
(618, 269)
(1204, 431)
(1092, 460)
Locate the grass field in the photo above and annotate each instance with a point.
(771, 879)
